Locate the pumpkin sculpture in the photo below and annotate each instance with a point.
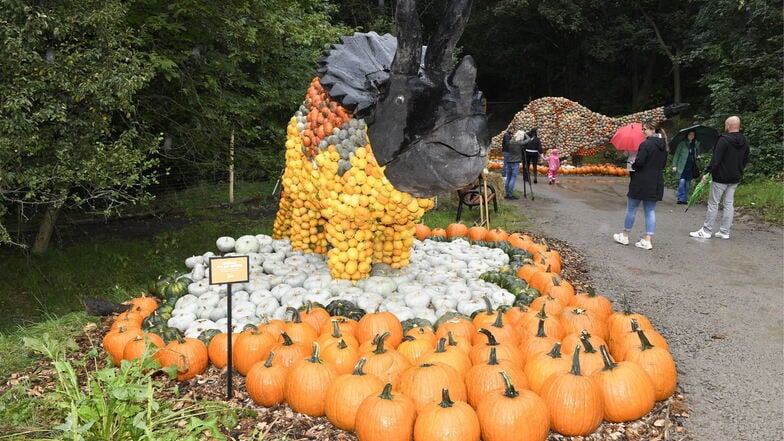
(376, 138)
(574, 129)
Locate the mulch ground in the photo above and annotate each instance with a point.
(665, 422)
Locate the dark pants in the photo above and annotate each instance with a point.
(528, 159)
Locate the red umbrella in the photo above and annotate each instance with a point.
(628, 137)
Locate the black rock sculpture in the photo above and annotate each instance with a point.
(426, 119)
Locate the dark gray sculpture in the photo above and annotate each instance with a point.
(426, 120)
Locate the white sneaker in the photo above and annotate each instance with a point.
(701, 233)
(721, 235)
(621, 239)
(644, 244)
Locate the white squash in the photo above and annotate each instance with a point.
(225, 244)
(246, 244)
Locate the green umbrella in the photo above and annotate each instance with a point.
(699, 190)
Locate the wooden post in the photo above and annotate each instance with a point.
(231, 167)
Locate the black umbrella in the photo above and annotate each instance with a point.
(707, 137)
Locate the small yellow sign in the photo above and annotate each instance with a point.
(232, 269)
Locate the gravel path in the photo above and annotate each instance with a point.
(719, 303)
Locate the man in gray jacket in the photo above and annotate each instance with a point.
(730, 156)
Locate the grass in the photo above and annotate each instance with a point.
(763, 198)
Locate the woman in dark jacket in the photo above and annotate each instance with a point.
(646, 185)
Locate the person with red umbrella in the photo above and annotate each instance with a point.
(646, 186)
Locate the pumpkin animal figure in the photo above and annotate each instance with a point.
(575, 129)
(382, 130)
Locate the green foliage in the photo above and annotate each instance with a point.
(763, 198)
(120, 403)
(69, 132)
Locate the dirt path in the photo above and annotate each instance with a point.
(718, 302)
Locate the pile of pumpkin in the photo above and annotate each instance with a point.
(606, 169)
(564, 363)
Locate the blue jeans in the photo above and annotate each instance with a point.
(648, 207)
(503, 169)
(510, 169)
(683, 189)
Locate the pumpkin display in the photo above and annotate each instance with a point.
(347, 392)
(447, 420)
(466, 356)
(386, 417)
(136, 347)
(513, 415)
(307, 383)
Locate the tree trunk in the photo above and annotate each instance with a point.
(676, 82)
(46, 228)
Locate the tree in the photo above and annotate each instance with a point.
(741, 50)
(235, 66)
(69, 132)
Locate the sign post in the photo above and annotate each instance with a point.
(228, 270)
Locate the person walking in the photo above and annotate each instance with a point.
(512, 164)
(730, 156)
(646, 186)
(553, 165)
(505, 150)
(533, 148)
(684, 165)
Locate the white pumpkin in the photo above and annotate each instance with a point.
(225, 244)
(246, 244)
(193, 260)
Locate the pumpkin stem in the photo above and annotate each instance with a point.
(380, 345)
(488, 306)
(492, 359)
(555, 352)
(635, 325)
(445, 400)
(286, 339)
(441, 345)
(409, 338)
(336, 329)
(358, 367)
(540, 329)
(342, 344)
(451, 339)
(626, 306)
(491, 341)
(294, 314)
(556, 280)
(589, 349)
(386, 394)
(542, 314)
(499, 320)
(591, 291)
(609, 364)
(576, 362)
(509, 390)
(268, 363)
(314, 358)
(644, 342)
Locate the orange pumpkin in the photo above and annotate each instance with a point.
(574, 401)
(627, 390)
(456, 229)
(513, 415)
(307, 383)
(421, 231)
(386, 417)
(266, 382)
(347, 392)
(497, 234)
(447, 420)
(477, 233)
(188, 354)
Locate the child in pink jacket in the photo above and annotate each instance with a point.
(554, 164)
